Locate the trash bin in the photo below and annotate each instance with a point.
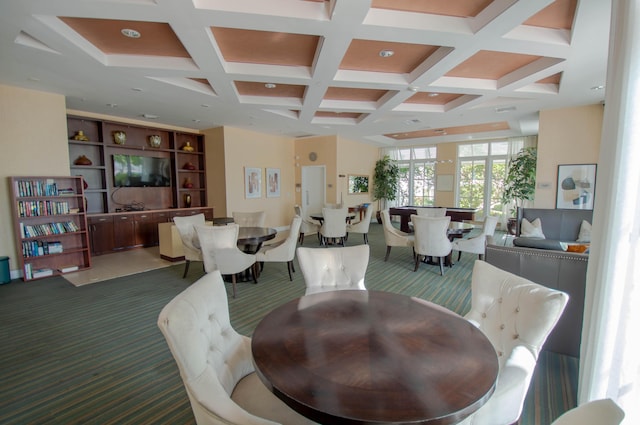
(5, 274)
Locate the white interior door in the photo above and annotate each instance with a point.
(313, 188)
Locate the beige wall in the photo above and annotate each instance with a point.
(216, 169)
(354, 158)
(244, 148)
(566, 136)
(34, 143)
(326, 149)
(446, 152)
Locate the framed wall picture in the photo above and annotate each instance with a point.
(273, 182)
(252, 182)
(576, 187)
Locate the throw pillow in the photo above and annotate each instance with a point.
(531, 229)
(577, 248)
(585, 232)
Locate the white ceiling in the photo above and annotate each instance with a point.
(492, 68)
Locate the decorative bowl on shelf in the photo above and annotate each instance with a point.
(155, 141)
(187, 147)
(187, 183)
(119, 137)
(82, 160)
(189, 166)
(80, 136)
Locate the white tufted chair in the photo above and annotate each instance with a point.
(249, 219)
(596, 412)
(431, 239)
(220, 251)
(283, 251)
(215, 361)
(478, 243)
(333, 269)
(363, 225)
(517, 316)
(307, 226)
(334, 225)
(393, 236)
(186, 229)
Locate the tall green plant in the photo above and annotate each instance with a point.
(520, 184)
(385, 180)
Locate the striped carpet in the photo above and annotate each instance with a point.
(94, 355)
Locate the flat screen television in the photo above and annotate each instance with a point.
(141, 171)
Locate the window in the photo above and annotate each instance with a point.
(482, 168)
(417, 176)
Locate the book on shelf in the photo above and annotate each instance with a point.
(41, 273)
(67, 269)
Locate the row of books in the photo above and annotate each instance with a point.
(46, 187)
(47, 229)
(31, 273)
(38, 208)
(37, 248)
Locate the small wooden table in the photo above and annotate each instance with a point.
(250, 240)
(372, 357)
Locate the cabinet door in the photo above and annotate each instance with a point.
(124, 231)
(146, 230)
(101, 234)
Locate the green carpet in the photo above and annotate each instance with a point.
(94, 354)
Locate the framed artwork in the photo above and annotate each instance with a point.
(576, 187)
(273, 182)
(252, 182)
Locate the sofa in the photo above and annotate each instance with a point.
(560, 227)
(565, 271)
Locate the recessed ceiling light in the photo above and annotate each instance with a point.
(270, 85)
(137, 89)
(597, 87)
(433, 94)
(505, 109)
(386, 53)
(413, 88)
(112, 105)
(131, 33)
(150, 116)
(196, 120)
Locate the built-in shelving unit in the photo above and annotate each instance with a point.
(50, 225)
(98, 144)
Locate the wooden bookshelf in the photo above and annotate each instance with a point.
(50, 225)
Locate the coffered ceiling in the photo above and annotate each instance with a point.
(385, 72)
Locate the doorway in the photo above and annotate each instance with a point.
(313, 188)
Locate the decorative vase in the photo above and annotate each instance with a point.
(187, 147)
(80, 136)
(82, 160)
(187, 200)
(119, 137)
(155, 141)
(187, 183)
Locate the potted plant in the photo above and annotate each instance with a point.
(385, 182)
(520, 183)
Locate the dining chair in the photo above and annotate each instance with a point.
(249, 219)
(283, 251)
(362, 226)
(333, 269)
(220, 251)
(431, 239)
(307, 226)
(516, 315)
(392, 235)
(215, 361)
(596, 412)
(186, 227)
(334, 225)
(478, 243)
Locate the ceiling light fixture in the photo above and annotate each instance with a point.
(433, 94)
(413, 88)
(150, 116)
(112, 105)
(137, 89)
(270, 85)
(386, 53)
(505, 109)
(128, 32)
(597, 88)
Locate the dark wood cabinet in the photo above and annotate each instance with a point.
(101, 234)
(127, 230)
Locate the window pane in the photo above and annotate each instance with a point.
(498, 174)
(471, 190)
(424, 153)
(404, 154)
(403, 185)
(499, 148)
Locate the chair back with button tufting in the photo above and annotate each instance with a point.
(517, 315)
(330, 269)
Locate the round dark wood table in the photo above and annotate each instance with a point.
(372, 357)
